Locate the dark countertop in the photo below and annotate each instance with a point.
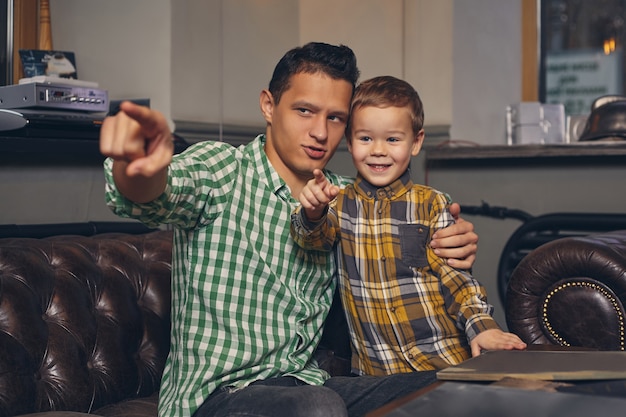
(59, 143)
(450, 151)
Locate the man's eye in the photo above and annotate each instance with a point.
(336, 119)
(304, 111)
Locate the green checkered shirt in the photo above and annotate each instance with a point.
(407, 309)
(247, 303)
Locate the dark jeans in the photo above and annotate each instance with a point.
(288, 397)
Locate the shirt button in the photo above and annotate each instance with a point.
(382, 258)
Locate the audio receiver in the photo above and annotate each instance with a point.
(54, 96)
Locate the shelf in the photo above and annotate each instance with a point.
(59, 144)
(578, 150)
(12, 144)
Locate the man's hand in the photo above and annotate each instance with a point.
(456, 243)
(495, 339)
(140, 142)
(316, 195)
(139, 137)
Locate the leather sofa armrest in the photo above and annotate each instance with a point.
(571, 292)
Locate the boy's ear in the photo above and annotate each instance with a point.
(266, 102)
(418, 141)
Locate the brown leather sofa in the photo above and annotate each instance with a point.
(571, 292)
(85, 318)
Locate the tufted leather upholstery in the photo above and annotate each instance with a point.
(571, 292)
(84, 323)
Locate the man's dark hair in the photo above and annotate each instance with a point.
(336, 61)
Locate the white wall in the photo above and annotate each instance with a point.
(487, 68)
(410, 39)
(124, 45)
(207, 60)
(223, 56)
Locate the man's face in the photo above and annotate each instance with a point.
(306, 126)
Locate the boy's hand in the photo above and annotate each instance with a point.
(457, 243)
(138, 137)
(496, 339)
(316, 195)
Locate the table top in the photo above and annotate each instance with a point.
(531, 393)
(517, 399)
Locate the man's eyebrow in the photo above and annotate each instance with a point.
(299, 104)
(309, 105)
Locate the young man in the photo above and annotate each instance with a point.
(247, 304)
(408, 310)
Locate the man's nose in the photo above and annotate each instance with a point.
(319, 130)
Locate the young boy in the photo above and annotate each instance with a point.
(407, 309)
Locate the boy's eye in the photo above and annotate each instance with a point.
(365, 139)
(392, 139)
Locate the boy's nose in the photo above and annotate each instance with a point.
(378, 148)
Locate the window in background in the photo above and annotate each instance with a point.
(582, 55)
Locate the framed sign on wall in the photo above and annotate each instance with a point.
(581, 52)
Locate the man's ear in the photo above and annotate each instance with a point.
(418, 140)
(266, 101)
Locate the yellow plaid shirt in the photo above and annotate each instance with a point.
(407, 309)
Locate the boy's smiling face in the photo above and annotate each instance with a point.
(383, 142)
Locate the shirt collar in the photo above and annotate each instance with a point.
(255, 150)
(391, 191)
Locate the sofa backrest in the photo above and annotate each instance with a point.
(84, 321)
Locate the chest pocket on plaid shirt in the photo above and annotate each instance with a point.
(413, 245)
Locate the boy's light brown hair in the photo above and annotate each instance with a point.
(388, 91)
